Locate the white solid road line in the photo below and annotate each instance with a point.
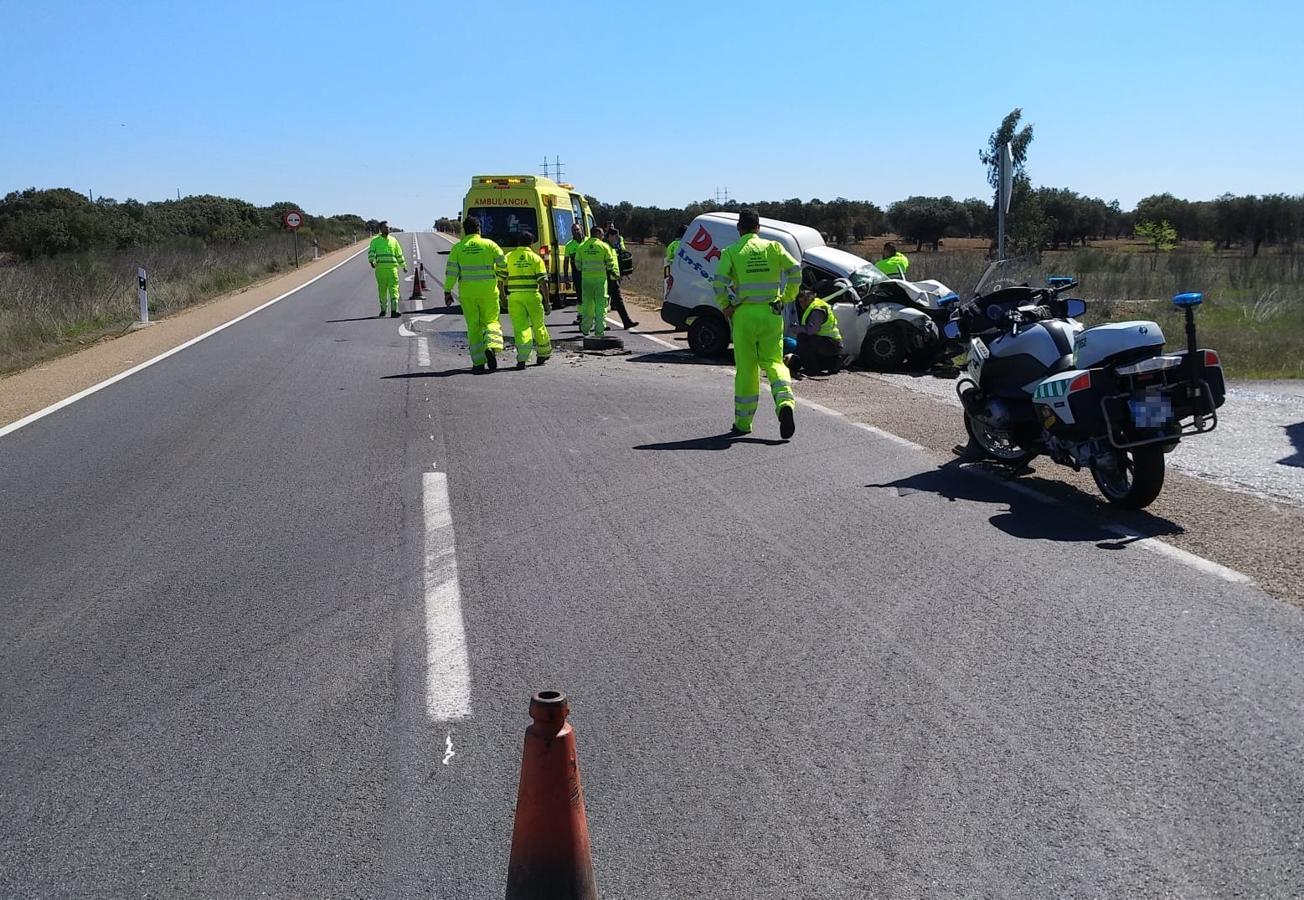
(423, 352)
(656, 340)
(55, 407)
(448, 669)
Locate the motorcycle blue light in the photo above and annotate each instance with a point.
(1190, 298)
(949, 298)
(1059, 280)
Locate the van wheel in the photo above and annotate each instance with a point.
(885, 348)
(708, 335)
(1130, 479)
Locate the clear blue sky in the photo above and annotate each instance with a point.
(386, 109)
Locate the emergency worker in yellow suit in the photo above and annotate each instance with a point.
(752, 281)
(597, 263)
(386, 256)
(523, 275)
(473, 264)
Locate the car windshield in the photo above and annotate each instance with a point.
(498, 224)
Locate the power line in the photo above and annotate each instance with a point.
(556, 168)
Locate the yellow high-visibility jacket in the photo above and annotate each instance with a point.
(758, 271)
(524, 271)
(597, 261)
(472, 263)
(385, 250)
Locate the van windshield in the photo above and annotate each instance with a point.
(498, 224)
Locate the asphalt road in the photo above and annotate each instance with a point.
(250, 647)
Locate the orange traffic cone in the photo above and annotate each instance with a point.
(417, 284)
(551, 858)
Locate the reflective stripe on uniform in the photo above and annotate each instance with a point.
(760, 286)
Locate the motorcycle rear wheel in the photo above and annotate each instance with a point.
(996, 444)
(1135, 481)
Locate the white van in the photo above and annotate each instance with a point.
(690, 297)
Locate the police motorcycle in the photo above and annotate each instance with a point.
(1106, 398)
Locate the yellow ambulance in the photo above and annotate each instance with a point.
(505, 205)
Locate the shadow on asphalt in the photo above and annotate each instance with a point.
(679, 358)
(447, 373)
(1296, 434)
(358, 319)
(711, 442)
(455, 308)
(1027, 517)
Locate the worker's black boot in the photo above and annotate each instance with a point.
(520, 365)
(393, 313)
(787, 423)
(492, 360)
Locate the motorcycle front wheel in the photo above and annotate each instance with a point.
(996, 444)
(1130, 479)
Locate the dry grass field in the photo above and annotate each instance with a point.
(53, 306)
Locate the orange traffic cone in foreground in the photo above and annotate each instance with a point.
(551, 859)
(418, 283)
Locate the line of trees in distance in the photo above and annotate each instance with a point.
(1049, 217)
(36, 223)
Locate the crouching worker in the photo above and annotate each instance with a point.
(819, 343)
(524, 274)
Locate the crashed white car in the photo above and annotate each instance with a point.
(885, 322)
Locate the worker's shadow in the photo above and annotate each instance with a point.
(711, 442)
(680, 358)
(446, 373)
(455, 309)
(1296, 435)
(356, 319)
(1031, 517)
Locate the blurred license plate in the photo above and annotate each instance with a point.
(1151, 411)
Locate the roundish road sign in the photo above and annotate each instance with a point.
(293, 219)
